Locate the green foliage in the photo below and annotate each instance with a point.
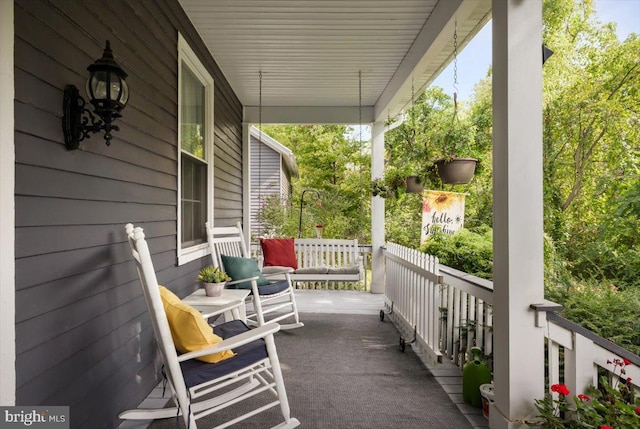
(278, 218)
(379, 188)
(428, 134)
(591, 154)
(213, 275)
(433, 129)
(333, 161)
(610, 313)
(614, 255)
(468, 251)
(404, 219)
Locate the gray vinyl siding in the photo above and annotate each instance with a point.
(265, 179)
(83, 336)
(285, 184)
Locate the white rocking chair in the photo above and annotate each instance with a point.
(275, 299)
(254, 369)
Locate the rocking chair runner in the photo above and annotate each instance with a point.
(274, 299)
(254, 369)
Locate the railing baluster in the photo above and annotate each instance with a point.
(470, 324)
(553, 352)
(479, 325)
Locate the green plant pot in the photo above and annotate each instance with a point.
(458, 171)
(213, 289)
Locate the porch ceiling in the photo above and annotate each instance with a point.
(310, 52)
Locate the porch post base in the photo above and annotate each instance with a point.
(499, 421)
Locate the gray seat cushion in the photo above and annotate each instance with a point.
(345, 270)
(312, 270)
(275, 269)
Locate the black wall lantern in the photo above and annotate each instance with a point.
(107, 91)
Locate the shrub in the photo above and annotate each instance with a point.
(468, 251)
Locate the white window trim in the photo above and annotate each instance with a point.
(7, 208)
(187, 56)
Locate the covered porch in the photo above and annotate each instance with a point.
(270, 62)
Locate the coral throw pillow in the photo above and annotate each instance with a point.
(279, 252)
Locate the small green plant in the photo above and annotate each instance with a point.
(213, 275)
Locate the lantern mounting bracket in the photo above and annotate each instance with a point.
(78, 122)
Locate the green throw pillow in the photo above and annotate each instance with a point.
(242, 268)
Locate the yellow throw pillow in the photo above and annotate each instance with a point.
(189, 330)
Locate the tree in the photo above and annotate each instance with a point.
(591, 118)
(332, 162)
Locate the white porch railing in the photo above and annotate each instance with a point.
(450, 311)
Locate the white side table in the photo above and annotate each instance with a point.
(231, 303)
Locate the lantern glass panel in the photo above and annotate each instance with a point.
(115, 87)
(124, 95)
(97, 86)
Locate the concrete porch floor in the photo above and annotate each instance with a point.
(351, 302)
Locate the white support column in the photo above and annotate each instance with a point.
(7, 210)
(246, 181)
(518, 204)
(377, 210)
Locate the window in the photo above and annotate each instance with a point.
(195, 154)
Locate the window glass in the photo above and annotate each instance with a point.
(195, 154)
(192, 128)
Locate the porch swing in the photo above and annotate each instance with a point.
(313, 260)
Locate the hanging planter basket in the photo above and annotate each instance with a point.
(458, 171)
(414, 184)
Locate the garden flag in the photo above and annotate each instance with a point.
(441, 211)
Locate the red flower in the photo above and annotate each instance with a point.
(561, 389)
(638, 410)
(605, 427)
(584, 398)
(626, 361)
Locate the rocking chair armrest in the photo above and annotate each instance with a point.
(235, 341)
(248, 279)
(284, 270)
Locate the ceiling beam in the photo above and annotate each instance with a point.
(348, 115)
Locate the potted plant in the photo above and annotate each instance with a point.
(415, 184)
(213, 279)
(379, 188)
(453, 165)
(386, 187)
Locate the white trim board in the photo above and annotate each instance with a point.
(7, 209)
